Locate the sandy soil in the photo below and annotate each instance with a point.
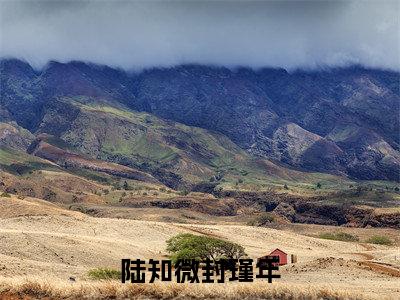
(38, 238)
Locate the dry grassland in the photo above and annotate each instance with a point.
(54, 244)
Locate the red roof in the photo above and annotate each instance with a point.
(277, 249)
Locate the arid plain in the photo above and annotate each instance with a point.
(46, 244)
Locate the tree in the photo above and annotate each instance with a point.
(190, 246)
(319, 185)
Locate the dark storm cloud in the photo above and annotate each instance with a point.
(134, 34)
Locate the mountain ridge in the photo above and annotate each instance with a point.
(340, 121)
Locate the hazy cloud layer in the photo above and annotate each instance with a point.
(134, 34)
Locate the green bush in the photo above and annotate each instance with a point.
(5, 194)
(104, 274)
(380, 240)
(184, 192)
(190, 246)
(339, 236)
(263, 219)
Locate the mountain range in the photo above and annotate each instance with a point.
(189, 123)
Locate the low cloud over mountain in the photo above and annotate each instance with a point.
(144, 34)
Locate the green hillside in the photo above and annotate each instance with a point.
(176, 154)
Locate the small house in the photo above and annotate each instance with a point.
(282, 257)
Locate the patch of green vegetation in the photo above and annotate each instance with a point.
(104, 274)
(148, 147)
(141, 148)
(10, 156)
(380, 240)
(83, 103)
(115, 111)
(92, 175)
(55, 141)
(184, 192)
(339, 236)
(22, 169)
(190, 246)
(5, 194)
(19, 163)
(261, 220)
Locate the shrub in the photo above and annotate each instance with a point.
(190, 246)
(184, 192)
(285, 187)
(339, 236)
(104, 274)
(380, 240)
(125, 186)
(5, 194)
(217, 192)
(262, 219)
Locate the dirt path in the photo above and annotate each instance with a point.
(199, 230)
(365, 256)
(381, 268)
(367, 247)
(378, 267)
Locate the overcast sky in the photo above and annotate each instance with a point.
(132, 34)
